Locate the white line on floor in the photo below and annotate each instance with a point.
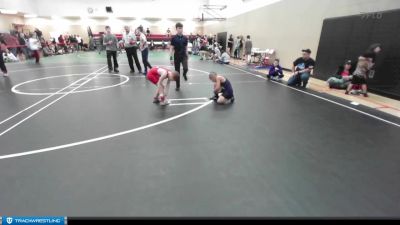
(189, 99)
(190, 103)
(232, 82)
(322, 98)
(44, 99)
(51, 103)
(54, 67)
(104, 137)
(118, 76)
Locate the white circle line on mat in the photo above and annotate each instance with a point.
(16, 91)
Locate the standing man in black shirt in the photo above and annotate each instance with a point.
(179, 53)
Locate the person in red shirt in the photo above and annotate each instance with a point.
(342, 77)
(161, 77)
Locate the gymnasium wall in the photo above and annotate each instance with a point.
(291, 25)
(6, 22)
(79, 27)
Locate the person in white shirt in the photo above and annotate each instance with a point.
(144, 48)
(225, 58)
(130, 45)
(34, 46)
(79, 41)
(217, 53)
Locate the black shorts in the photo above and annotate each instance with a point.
(358, 80)
(203, 48)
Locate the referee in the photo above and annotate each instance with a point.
(179, 53)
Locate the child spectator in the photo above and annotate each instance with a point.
(360, 76)
(275, 71)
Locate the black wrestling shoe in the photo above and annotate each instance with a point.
(110, 71)
(156, 101)
(116, 70)
(232, 100)
(185, 77)
(215, 98)
(132, 71)
(346, 93)
(365, 95)
(177, 89)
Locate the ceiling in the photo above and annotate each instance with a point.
(162, 9)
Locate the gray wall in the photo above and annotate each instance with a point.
(291, 25)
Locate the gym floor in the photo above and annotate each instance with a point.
(77, 141)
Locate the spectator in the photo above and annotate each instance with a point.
(371, 55)
(34, 46)
(230, 44)
(14, 43)
(47, 51)
(23, 48)
(152, 46)
(74, 43)
(360, 76)
(196, 45)
(191, 38)
(39, 33)
(61, 42)
(43, 42)
(248, 47)
(79, 42)
(216, 53)
(144, 48)
(239, 46)
(3, 48)
(100, 43)
(210, 41)
(53, 49)
(302, 69)
(342, 77)
(129, 41)
(215, 39)
(91, 43)
(275, 71)
(148, 32)
(111, 42)
(235, 47)
(224, 59)
(168, 32)
(204, 53)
